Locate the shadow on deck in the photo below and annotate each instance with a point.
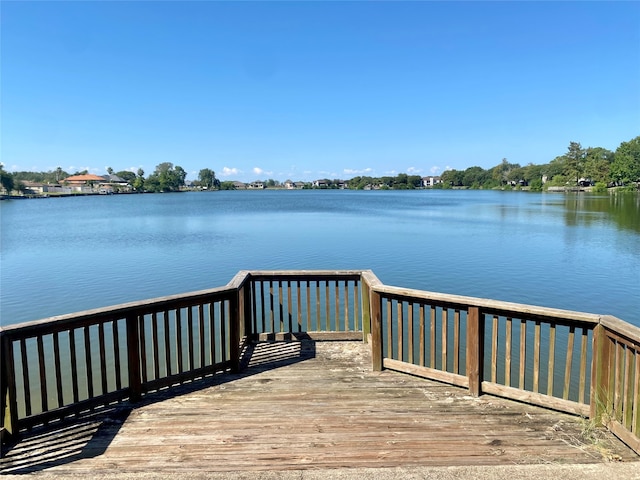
(303, 405)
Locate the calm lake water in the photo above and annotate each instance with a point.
(577, 252)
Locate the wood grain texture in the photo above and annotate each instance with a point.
(308, 405)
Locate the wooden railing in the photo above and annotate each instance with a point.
(290, 302)
(575, 362)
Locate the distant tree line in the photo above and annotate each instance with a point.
(593, 165)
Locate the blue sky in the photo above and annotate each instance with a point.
(306, 90)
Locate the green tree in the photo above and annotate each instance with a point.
(626, 164)
(474, 177)
(138, 183)
(500, 173)
(227, 185)
(208, 178)
(452, 178)
(165, 178)
(597, 164)
(127, 176)
(415, 181)
(6, 180)
(574, 161)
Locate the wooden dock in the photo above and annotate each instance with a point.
(305, 405)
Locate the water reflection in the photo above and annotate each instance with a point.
(621, 209)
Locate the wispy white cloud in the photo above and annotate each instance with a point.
(353, 171)
(259, 171)
(227, 172)
(435, 170)
(413, 170)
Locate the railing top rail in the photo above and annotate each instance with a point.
(621, 327)
(265, 274)
(370, 278)
(492, 306)
(239, 279)
(302, 273)
(141, 307)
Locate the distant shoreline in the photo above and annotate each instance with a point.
(612, 190)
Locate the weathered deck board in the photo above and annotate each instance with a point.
(311, 405)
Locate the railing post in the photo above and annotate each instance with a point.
(234, 332)
(600, 397)
(133, 356)
(366, 310)
(376, 330)
(8, 392)
(475, 350)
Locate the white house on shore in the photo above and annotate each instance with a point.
(429, 182)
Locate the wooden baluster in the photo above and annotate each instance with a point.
(336, 307)
(87, 360)
(601, 398)
(318, 328)
(627, 401)
(201, 335)
(234, 332)
(619, 381)
(635, 421)
(327, 327)
(357, 320)
(475, 350)
(281, 310)
(494, 349)
(445, 338)
(262, 298)
(190, 339)
(422, 333)
(536, 357)
(43, 375)
(507, 354)
(58, 369)
(523, 353)
(389, 329)
(366, 311)
(432, 338)
(410, 342)
(223, 331)
(116, 354)
(299, 305)
(254, 308)
(167, 343)
(568, 363)
(583, 367)
(289, 308)
(103, 359)
(272, 309)
(346, 306)
(308, 298)
(213, 337)
(179, 346)
(74, 366)
(400, 321)
(552, 353)
(456, 341)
